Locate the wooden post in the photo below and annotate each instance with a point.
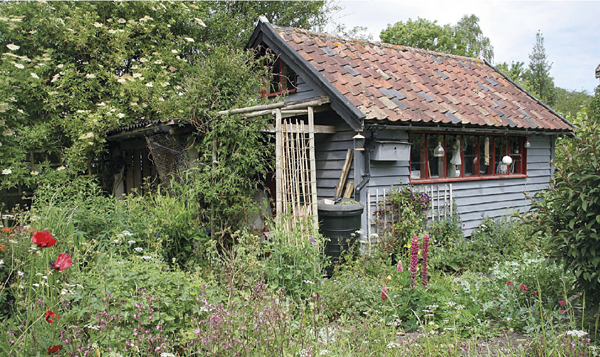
(313, 168)
(451, 202)
(278, 168)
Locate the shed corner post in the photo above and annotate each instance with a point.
(313, 169)
(278, 167)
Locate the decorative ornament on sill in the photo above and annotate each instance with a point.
(486, 148)
(439, 150)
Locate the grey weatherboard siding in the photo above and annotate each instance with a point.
(474, 199)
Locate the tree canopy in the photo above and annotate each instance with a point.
(465, 38)
(536, 79)
(72, 71)
(538, 75)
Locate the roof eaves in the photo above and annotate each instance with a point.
(531, 95)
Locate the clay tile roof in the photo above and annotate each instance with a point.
(402, 84)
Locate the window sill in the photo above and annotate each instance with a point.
(470, 178)
(285, 92)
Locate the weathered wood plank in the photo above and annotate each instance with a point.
(344, 175)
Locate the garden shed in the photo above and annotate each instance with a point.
(453, 126)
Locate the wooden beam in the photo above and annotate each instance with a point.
(288, 105)
(278, 168)
(345, 169)
(349, 189)
(285, 113)
(318, 129)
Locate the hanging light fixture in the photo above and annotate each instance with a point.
(359, 142)
(439, 150)
(527, 144)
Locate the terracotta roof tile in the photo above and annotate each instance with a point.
(397, 83)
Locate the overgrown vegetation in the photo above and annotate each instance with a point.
(568, 212)
(84, 273)
(125, 293)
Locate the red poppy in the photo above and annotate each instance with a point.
(53, 349)
(50, 315)
(384, 294)
(43, 239)
(509, 283)
(63, 262)
(523, 287)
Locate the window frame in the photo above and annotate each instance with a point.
(277, 69)
(520, 169)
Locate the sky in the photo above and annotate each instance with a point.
(571, 29)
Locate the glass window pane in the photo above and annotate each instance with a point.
(470, 154)
(500, 151)
(516, 154)
(435, 165)
(417, 159)
(453, 156)
(289, 77)
(485, 150)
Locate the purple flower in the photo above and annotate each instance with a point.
(414, 260)
(425, 278)
(312, 240)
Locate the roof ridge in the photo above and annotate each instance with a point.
(379, 43)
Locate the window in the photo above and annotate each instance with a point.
(283, 79)
(466, 156)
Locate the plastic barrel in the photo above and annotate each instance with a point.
(339, 223)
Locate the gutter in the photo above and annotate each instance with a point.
(465, 130)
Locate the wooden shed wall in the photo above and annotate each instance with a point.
(495, 198)
(303, 91)
(330, 149)
(477, 199)
(474, 199)
(330, 153)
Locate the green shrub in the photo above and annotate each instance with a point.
(350, 293)
(569, 211)
(405, 210)
(294, 258)
(494, 241)
(521, 294)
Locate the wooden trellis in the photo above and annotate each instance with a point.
(295, 164)
(440, 207)
(295, 167)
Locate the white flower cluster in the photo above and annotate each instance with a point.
(125, 234)
(576, 333)
(393, 345)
